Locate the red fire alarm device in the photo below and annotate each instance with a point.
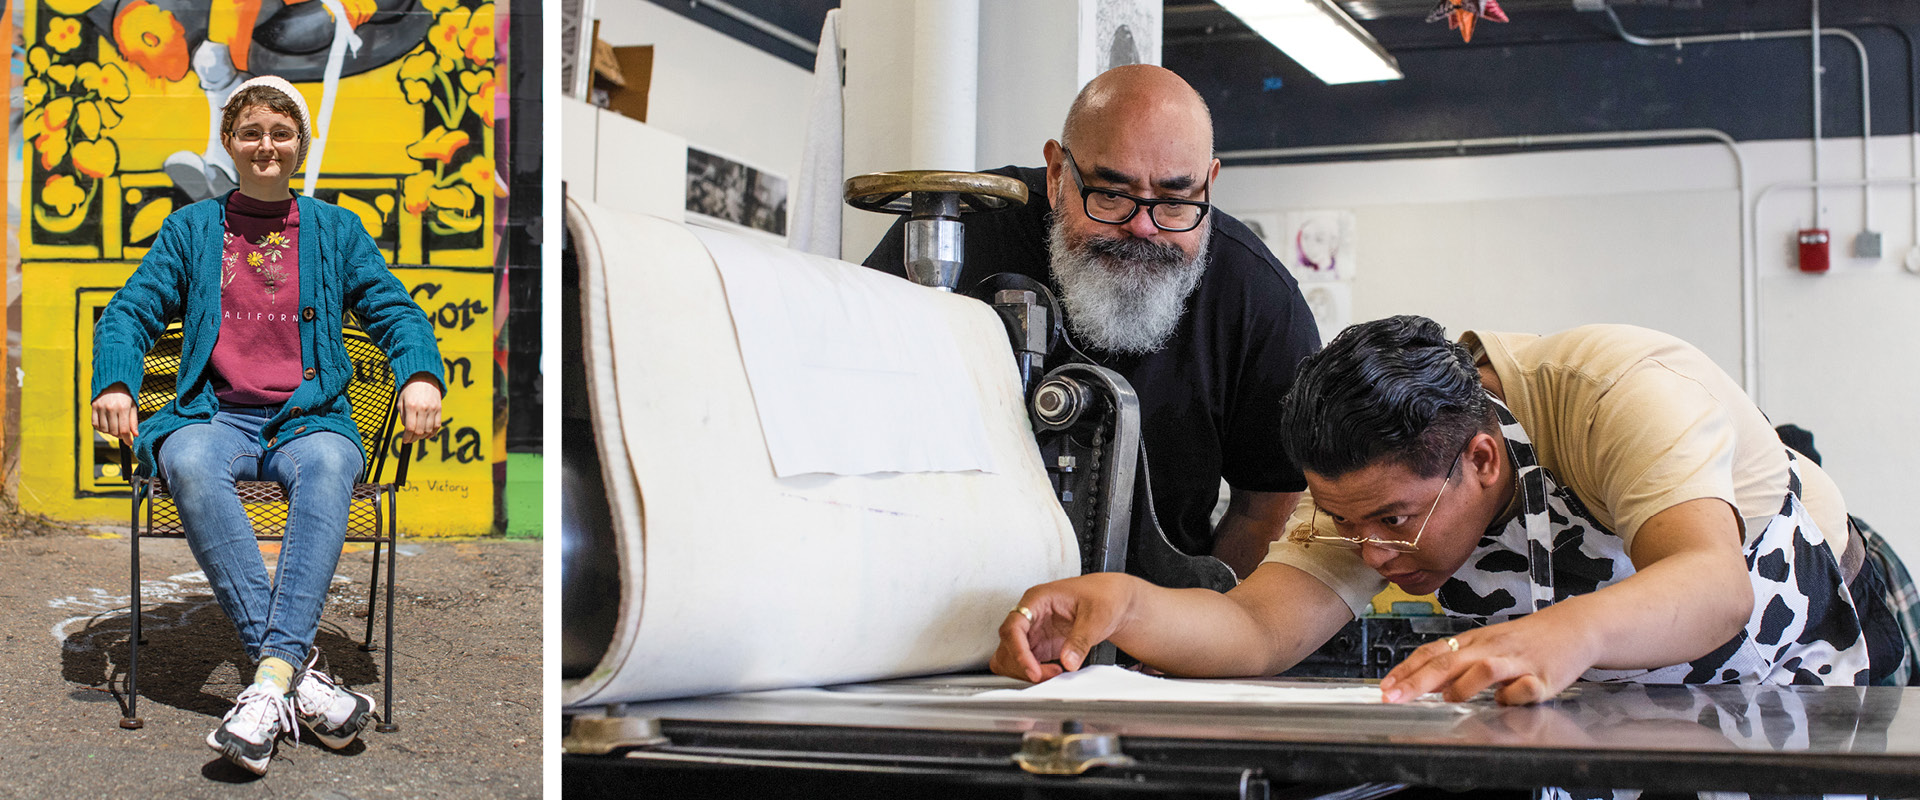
(1813, 250)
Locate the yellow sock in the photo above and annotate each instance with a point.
(276, 671)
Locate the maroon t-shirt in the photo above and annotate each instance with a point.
(256, 360)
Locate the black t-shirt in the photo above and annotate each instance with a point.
(1209, 397)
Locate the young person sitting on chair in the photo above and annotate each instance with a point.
(261, 280)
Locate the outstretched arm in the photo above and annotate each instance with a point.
(1266, 624)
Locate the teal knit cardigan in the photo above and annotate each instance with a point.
(340, 270)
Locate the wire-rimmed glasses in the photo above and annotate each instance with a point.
(1396, 545)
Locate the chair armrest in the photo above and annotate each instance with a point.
(126, 461)
(406, 457)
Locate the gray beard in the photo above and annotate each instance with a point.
(1124, 295)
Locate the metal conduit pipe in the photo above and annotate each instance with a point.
(1819, 209)
(1749, 269)
(1814, 33)
(758, 24)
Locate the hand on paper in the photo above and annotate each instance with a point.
(1069, 618)
(1530, 659)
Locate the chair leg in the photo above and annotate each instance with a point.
(132, 720)
(373, 600)
(393, 566)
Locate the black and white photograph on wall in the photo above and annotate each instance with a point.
(1117, 32)
(727, 194)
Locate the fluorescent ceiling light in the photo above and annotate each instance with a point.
(1318, 35)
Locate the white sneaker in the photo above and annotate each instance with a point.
(335, 715)
(250, 730)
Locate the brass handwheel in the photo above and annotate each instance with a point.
(892, 192)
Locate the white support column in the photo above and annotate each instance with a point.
(946, 69)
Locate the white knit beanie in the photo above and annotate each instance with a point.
(282, 86)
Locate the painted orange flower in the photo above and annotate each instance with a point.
(52, 146)
(59, 113)
(476, 39)
(96, 159)
(479, 173)
(150, 38)
(445, 36)
(439, 144)
(413, 191)
(63, 34)
(62, 194)
(479, 88)
(415, 71)
(109, 80)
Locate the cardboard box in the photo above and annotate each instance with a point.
(625, 79)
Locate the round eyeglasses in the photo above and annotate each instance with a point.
(1115, 208)
(1396, 545)
(278, 135)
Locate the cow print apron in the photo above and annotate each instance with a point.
(1803, 630)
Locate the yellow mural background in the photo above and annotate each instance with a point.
(398, 164)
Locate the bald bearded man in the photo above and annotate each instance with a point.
(1175, 295)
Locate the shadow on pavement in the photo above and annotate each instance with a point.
(186, 643)
(221, 770)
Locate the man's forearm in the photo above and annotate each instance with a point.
(1268, 623)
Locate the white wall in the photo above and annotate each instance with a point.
(1651, 236)
(1029, 73)
(720, 95)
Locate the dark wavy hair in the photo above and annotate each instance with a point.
(1395, 389)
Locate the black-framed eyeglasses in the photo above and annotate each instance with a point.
(1396, 545)
(1115, 208)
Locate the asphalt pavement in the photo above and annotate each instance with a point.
(466, 668)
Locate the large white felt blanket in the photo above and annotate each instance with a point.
(736, 578)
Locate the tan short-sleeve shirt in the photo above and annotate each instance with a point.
(1635, 422)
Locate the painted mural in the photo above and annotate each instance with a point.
(120, 126)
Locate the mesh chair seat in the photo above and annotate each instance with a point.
(371, 508)
(266, 505)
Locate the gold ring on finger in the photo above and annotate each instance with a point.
(1024, 611)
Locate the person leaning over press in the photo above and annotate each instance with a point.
(1175, 295)
(1595, 497)
(261, 280)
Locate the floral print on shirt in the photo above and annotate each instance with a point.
(262, 256)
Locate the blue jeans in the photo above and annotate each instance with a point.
(275, 617)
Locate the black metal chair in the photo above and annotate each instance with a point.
(372, 510)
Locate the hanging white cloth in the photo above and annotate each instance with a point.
(816, 217)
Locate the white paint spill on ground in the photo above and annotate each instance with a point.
(189, 590)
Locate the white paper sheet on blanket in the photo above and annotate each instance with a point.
(850, 376)
(1117, 684)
